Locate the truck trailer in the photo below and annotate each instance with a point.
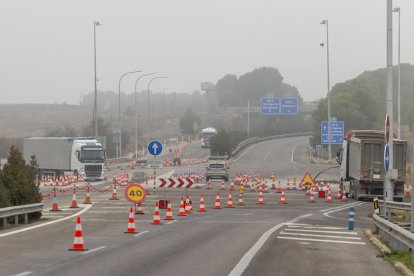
(57, 155)
(361, 160)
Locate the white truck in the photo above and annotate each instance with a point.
(206, 135)
(57, 155)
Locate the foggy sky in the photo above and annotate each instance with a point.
(46, 46)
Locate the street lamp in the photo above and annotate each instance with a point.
(325, 22)
(119, 112)
(399, 72)
(136, 113)
(149, 83)
(95, 104)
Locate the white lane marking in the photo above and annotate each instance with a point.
(87, 207)
(304, 243)
(319, 240)
(49, 217)
(141, 233)
(318, 227)
(94, 250)
(249, 148)
(319, 231)
(171, 222)
(297, 224)
(24, 273)
(249, 255)
(293, 151)
(326, 214)
(267, 155)
(320, 236)
(114, 207)
(341, 206)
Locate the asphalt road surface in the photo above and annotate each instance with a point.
(297, 238)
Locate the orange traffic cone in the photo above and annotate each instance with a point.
(311, 198)
(230, 201)
(339, 194)
(266, 190)
(74, 203)
(217, 203)
(273, 185)
(55, 207)
(241, 202)
(169, 215)
(232, 186)
(283, 198)
(187, 205)
(344, 196)
(222, 185)
(329, 198)
(181, 212)
(156, 220)
(88, 196)
(209, 184)
(138, 209)
(279, 188)
(261, 200)
(131, 223)
(202, 207)
(78, 244)
(114, 194)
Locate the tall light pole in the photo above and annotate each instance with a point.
(95, 104)
(325, 22)
(136, 113)
(119, 112)
(149, 83)
(399, 72)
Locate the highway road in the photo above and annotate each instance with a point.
(298, 238)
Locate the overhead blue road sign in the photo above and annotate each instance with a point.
(337, 132)
(154, 147)
(288, 106)
(386, 157)
(270, 106)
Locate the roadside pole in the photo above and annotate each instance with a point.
(412, 184)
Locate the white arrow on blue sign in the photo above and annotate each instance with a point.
(386, 158)
(154, 147)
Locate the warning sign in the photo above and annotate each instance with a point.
(307, 180)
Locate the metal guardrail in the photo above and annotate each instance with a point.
(15, 211)
(255, 140)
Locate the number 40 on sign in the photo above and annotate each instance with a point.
(135, 193)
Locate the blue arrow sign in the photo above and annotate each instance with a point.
(337, 132)
(154, 147)
(386, 158)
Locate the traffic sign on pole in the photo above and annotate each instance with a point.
(270, 106)
(288, 106)
(135, 193)
(154, 147)
(386, 158)
(337, 132)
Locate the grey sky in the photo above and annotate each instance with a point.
(46, 47)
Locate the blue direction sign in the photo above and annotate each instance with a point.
(154, 147)
(386, 158)
(337, 132)
(270, 106)
(288, 106)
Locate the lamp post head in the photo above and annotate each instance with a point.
(397, 9)
(97, 23)
(324, 22)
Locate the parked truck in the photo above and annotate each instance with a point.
(57, 155)
(361, 162)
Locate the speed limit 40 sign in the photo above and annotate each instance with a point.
(135, 193)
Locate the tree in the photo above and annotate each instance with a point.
(187, 120)
(19, 179)
(221, 144)
(4, 194)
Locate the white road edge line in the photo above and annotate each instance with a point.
(253, 146)
(141, 233)
(171, 222)
(319, 240)
(318, 227)
(94, 250)
(87, 207)
(24, 273)
(326, 214)
(249, 255)
(293, 150)
(341, 206)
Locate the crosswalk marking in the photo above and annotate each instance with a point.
(318, 227)
(321, 231)
(321, 236)
(319, 240)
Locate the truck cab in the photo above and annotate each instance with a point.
(88, 159)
